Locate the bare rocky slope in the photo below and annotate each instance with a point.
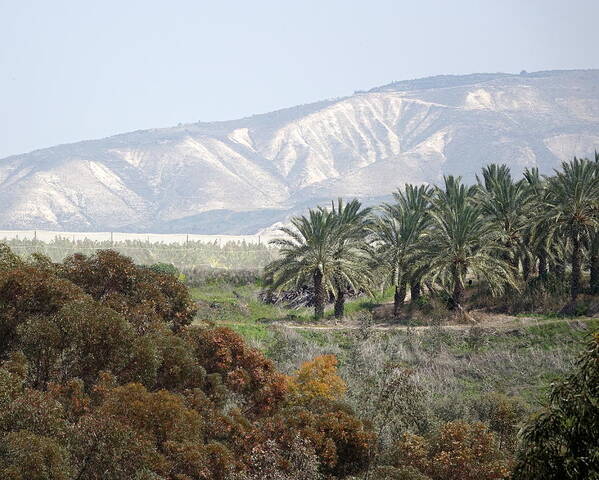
(243, 176)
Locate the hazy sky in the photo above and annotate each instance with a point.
(80, 69)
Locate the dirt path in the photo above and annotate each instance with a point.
(505, 323)
(498, 322)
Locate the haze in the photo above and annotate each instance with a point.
(76, 70)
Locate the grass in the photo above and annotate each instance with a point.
(520, 361)
(224, 303)
(455, 369)
(454, 366)
(240, 309)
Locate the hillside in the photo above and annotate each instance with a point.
(242, 176)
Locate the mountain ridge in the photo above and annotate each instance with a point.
(258, 170)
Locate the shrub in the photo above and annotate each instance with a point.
(561, 441)
(103, 377)
(318, 378)
(458, 451)
(503, 414)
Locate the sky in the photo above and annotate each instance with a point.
(83, 69)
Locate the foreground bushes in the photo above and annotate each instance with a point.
(103, 376)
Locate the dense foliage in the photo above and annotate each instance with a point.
(327, 250)
(108, 371)
(504, 234)
(103, 376)
(561, 441)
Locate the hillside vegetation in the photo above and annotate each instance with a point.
(501, 243)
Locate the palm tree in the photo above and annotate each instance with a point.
(534, 245)
(307, 256)
(415, 199)
(594, 244)
(503, 201)
(461, 241)
(594, 262)
(326, 248)
(352, 272)
(397, 234)
(570, 210)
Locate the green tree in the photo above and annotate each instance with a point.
(561, 442)
(396, 236)
(307, 256)
(416, 201)
(461, 241)
(594, 244)
(322, 248)
(33, 457)
(534, 245)
(503, 202)
(352, 271)
(570, 209)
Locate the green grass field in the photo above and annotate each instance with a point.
(242, 310)
(519, 360)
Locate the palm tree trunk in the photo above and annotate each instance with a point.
(595, 264)
(458, 288)
(415, 291)
(399, 297)
(542, 264)
(318, 295)
(576, 274)
(558, 268)
(526, 267)
(515, 262)
(340, 304)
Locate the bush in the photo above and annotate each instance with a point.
(103, 377)
(458, 451)
(503, 414)
(561, 441)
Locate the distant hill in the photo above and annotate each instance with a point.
(242, 176)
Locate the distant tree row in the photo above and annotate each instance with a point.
(503, 233)
(190, 255)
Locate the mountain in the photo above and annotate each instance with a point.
(243, 176)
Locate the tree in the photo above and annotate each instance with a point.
(318, 378)
(244, 370)
(33, 457)
(94, 385)
(352, 271)
(79, 340)
(143, 295)
(458, 451)
(307, 256)
(594, 262)
(8, 259)
(324, 249)
(571, 210)
(535, 237)
(594, 244)
(27, 292)
(503, 202)
(396, 236)
(561, 441)
(460, 242)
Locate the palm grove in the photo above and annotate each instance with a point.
(507, 235)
